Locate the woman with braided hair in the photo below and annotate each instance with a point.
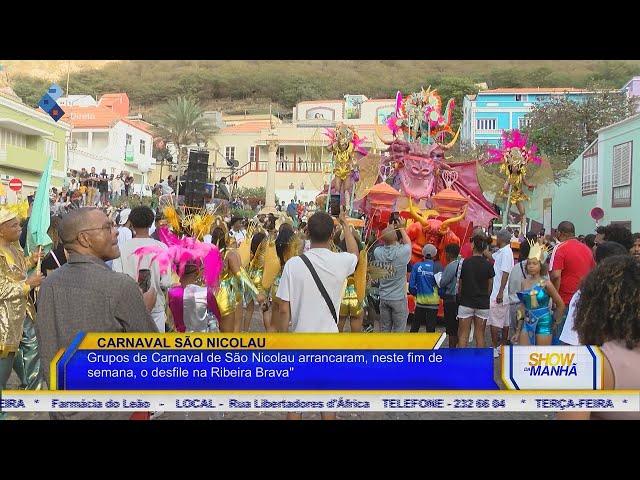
(608, 316)
(288, 245)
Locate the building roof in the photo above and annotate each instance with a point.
(94, 117)
(118, 102)
(248, 117)
(90, 117)
(247, 127)
(533, 90)
(141, 124)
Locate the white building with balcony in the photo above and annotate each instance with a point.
(302, 156)
(101, 136)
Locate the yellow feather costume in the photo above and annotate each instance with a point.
(245, 247)
(271, 262)
(232, 287)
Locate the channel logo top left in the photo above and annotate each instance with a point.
(48, 102)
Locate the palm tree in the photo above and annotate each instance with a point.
(181, 122)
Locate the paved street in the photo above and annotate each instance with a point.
(256, 326)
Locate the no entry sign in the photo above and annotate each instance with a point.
(596, 213)
(15, 184)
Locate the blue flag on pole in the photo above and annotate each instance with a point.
(40, 215)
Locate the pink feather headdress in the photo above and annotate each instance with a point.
(183, 251)
(518, 141)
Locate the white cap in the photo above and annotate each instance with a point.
(124, 215)
(429, 250)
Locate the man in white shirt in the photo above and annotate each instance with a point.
(117, 185)
(517, 275)
(141, 219)
(499, 299)
(124, 232)
(166, 188)
(301, 300)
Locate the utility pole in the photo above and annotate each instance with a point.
(70, 144)
(178, 175)
(272, 144)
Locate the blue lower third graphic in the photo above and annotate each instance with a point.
(448, 369)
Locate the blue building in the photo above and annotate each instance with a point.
(489, 112)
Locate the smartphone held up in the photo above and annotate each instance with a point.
(334, 205)
(144, 279)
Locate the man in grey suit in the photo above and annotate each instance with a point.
(85, 295)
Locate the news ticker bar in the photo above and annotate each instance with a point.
(504, 401)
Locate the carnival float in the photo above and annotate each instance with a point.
(441, 200)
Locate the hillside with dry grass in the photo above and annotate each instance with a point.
(235, 86)
(51, 70)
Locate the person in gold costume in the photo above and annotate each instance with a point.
(345, 147)
(351, 305)
(514, 159)
(233, 280)
(18, 342)
(256, 268)
(280, 245)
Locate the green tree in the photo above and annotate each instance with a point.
(613, 74)
(562, 128)
(30, 89)
(456, 88)
(253, 192)
(540, 77)
(181, 122)
(506, 78)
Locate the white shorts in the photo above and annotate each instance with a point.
(499, 315)
(466, 312)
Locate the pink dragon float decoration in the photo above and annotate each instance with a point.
(415, 165)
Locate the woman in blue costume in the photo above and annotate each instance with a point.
(537, 322)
